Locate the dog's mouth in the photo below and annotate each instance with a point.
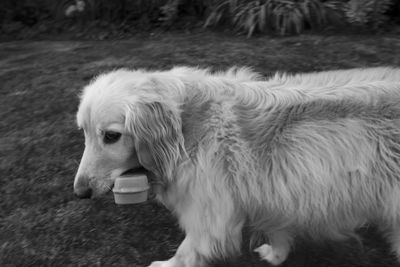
(133, 171)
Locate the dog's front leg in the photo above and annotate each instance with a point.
(185, 256)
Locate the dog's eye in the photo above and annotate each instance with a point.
(111, 137)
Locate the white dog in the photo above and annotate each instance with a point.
(314, 155)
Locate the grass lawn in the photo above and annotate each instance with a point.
(43, 224)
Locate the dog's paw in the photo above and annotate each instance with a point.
(159, 264)
(273, 256)
(169, 263)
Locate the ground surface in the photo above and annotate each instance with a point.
(42, 224)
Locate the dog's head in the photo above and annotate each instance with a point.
(131, 123)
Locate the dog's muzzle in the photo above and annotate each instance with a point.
(81, 187)
(83, 192)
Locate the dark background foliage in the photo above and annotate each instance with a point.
(25, 18)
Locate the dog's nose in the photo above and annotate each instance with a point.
(83, 192)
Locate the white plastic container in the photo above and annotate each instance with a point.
(131, 189)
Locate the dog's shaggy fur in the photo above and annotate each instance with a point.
(315, 155)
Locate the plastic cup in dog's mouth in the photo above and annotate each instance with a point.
(131, 189)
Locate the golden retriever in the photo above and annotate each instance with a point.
(314, 155)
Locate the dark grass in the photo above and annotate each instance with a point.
(42, 224)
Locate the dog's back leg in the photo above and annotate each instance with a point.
(278, 249)
(393, 237)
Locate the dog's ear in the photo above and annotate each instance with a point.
(157, 132)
